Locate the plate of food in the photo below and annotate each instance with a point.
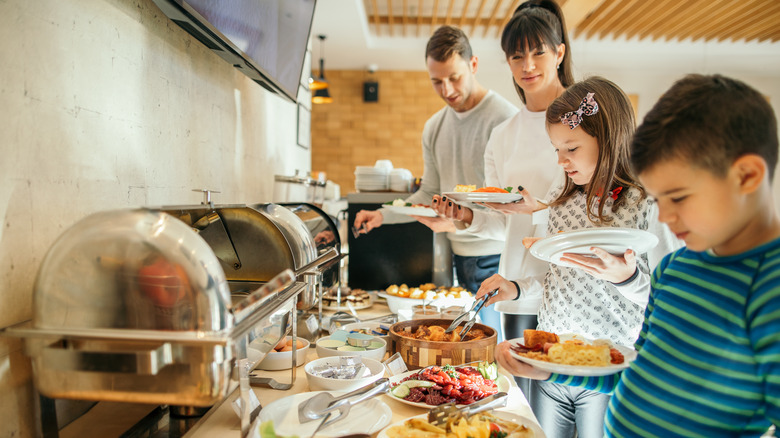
(613, 240)
(482, 424)
(284, 415)
(400, 206)
(570, 354)
(359, 299)
(485, 194)
(467, 384)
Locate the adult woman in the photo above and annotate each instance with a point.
(519, 152)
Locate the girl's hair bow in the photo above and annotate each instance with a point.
(588, 107)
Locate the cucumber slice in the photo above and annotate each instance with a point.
(416, 383)
(400, 391)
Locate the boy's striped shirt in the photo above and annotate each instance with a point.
(709, 350)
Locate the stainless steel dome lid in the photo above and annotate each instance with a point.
(131, 269)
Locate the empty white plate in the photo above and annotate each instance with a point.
(613, 240)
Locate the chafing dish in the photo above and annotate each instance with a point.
(132, 305)
(169, 305)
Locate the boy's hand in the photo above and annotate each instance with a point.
(615, 269)
(516, 367)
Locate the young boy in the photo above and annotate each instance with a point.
(708, 359)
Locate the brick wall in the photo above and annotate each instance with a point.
(350, 132)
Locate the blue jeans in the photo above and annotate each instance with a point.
(472, 271)
(563, 409)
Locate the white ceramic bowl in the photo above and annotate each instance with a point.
(317, 383)
(282, 360)
(364, 326)
(376, 354)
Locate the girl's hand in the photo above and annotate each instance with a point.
(615, 269)
(516, 367)
(506, 289)
(450, 209)
(527, 205)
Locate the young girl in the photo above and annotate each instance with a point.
(590, 127)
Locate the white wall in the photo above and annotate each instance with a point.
(107, 104)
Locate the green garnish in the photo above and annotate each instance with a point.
(508, 189)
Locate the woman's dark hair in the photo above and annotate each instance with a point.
(612, 126)
(709, 122)
(538, 23)
(445, 42)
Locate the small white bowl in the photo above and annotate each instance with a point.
(376, 354)
(282, 360)
(364, 326)
(317, 383)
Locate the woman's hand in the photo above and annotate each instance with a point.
(506, 289)
(527, 205)
(615, 269)
(450, 209)
(516, 367)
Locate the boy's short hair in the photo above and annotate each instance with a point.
(445, 42)
(708, 121)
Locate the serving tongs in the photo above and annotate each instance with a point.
(476, 307)
(448, 413)
(324, 405)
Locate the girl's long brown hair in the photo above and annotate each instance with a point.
(612, 126)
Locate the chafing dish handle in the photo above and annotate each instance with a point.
(326, 257)
(281, 281)
(68, 356)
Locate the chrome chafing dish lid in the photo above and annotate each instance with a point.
(131, 269)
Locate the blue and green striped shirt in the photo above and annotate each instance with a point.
(708, 361)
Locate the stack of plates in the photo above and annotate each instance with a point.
(400, 180)
(371, 179)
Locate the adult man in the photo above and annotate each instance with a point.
(454, 142)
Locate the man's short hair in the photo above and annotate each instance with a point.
(709, 122)
(445, 42)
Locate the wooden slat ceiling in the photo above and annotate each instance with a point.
(669, 20)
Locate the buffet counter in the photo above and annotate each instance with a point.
(223, 422)
(123, 419)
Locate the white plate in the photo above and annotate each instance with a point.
(284, 414)
(365, 305)
(502, 382)
(396, 303)
(629, 356)
(612, 240)
(411, 211)
(501, 198)
(504, 415)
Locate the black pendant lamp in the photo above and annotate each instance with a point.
(320, 85)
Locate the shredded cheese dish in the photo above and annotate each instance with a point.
(479, 426)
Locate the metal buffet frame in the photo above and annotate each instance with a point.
(237, 340)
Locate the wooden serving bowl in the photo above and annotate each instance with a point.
(420, 353)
